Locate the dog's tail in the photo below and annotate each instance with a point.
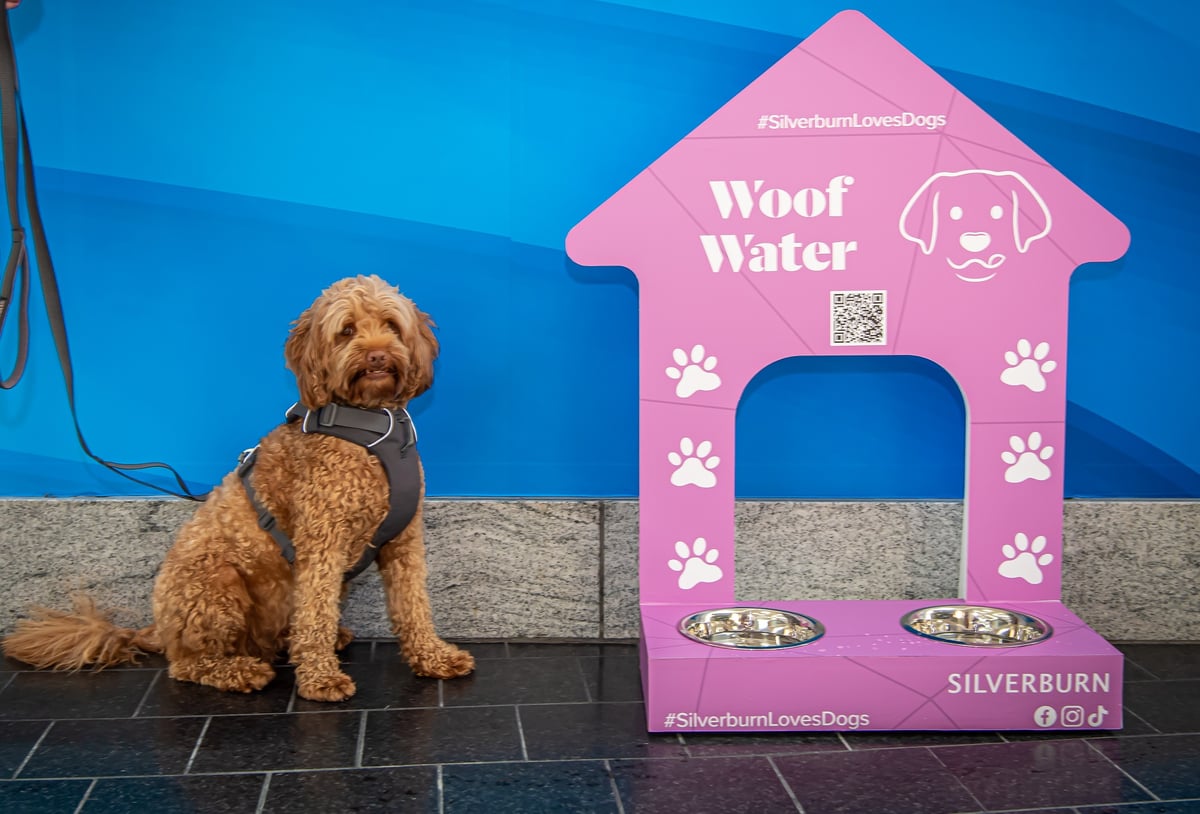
(87, 637)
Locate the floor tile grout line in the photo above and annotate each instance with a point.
(87, 793)
(514, 761)
(360, 745)
(32, 750)
(1140, 666)
(321, 711)
(1174, 680)
(521, 734)
(263, 791)
(786, 786)
(279, 713)
(441, 790)
(957, 779)
(533, 762)
(1128, 711)
(328, 769)
(587, 690)
(612, 784)
(146, 694)
(388, 766)
(1153, 797)
(196, 747)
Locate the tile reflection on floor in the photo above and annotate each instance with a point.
(544, 727)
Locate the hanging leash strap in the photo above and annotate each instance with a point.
(17, 269)
(389, 435)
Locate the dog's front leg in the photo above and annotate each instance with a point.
(314, 628)
(402, 568)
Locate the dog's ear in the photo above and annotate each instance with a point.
(305, 362)
(423, 347)
(1031, 216)
(919, 220)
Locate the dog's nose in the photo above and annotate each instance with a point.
(377, 358)
(974, 241)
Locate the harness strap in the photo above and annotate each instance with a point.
(266, 520)
(387, 434)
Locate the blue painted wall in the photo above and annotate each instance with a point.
(206, 170)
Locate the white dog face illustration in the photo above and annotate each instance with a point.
(975, 219)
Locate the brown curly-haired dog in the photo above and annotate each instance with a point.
(226, 602)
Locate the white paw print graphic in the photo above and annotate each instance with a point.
(1024, 560)
(695, 565)
(1026, 459)
(694, 372)
(1027, 364)
(693, 465)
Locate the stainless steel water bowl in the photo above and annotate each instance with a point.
(976, 626)
(751, 628)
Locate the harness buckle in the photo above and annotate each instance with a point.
(246, 461)
(410, 440)
(327, 416)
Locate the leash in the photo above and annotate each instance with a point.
(17, 270)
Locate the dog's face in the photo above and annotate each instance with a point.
(976, 219)
(361, 343)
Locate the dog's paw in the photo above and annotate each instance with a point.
(446, 662)
(256, 674)
(234, 674)
(331, 687)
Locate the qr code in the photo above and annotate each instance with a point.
(857, 318)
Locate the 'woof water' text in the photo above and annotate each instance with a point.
(746, 251)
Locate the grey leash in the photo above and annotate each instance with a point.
(17, 269)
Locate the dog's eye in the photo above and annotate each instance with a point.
(956, 213)
(348, 330)
(997, 211)
(393, 327)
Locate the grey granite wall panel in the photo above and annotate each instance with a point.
(621, 619)
(568, 569)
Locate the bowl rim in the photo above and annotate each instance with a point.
(1047, 630)
(798, 618)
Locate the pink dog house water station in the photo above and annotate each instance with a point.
(851, 202)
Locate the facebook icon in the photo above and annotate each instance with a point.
(1045, 716)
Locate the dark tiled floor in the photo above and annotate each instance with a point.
(555, 728)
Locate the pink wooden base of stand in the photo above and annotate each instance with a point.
(868, 673)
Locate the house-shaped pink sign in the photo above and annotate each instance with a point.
(851, 201)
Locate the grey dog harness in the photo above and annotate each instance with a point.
(389, 435)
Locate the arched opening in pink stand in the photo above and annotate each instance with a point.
(892, 428)
(903, 445)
